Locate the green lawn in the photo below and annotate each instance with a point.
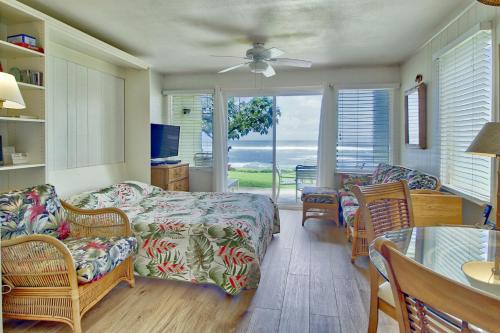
(258, 178)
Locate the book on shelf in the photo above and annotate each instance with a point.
(32, 77)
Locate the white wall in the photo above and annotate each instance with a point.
(157, 100)
(284, 78)
(73, 181)
(422, 63)
(138, 125)
(201, 179)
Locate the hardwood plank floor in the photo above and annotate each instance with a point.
(308, 285)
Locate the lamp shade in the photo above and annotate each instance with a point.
(490, 2)
(487, 141)
(10, 96)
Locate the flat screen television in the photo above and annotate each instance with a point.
(164, 141)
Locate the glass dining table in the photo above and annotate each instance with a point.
(465, 255)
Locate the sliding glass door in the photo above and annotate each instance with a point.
(296, 145)
(250, 144)
(272, 144)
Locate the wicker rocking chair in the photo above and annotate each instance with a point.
(40, 273)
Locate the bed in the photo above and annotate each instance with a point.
(199, 237)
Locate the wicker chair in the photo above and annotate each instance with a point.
(39, 270)
(382, 208)
(427, 302)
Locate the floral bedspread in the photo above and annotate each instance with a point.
(200, 237)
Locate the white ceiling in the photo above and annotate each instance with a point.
(180, 35)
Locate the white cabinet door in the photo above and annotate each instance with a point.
(60, 114)
(108, 107)
(87, 115)
(72, 116)
(120, 120)
(95, 117)
(113, 110)
(82, 136)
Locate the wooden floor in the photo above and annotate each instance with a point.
(308, 285)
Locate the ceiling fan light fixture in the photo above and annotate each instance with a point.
(258, 67)
(490, 2)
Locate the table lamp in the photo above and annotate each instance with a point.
(10, 96)
(487, 143)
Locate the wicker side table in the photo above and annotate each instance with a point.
(320, 203)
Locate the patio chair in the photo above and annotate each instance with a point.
(304, 175)
(203, 160)
(283, 180)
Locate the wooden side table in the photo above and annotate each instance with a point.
(171, 177)
(320, 203)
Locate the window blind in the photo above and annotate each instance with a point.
(193, 113)
(465, 93)
(363, 129)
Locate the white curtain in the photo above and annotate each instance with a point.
(327, 140)
(219, 128)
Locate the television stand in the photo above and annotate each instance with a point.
(171, 177)
(165, 162)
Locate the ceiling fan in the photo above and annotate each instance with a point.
(260, 60)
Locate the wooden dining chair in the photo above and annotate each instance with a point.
(383, 207)
(428, 302)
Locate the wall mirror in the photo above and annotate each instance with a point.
(415, 116)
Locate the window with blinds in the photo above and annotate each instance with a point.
(363, 129)
(413, 124)
(193, 113)
(465, 94)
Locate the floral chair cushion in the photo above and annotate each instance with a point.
(348, 200)
(96, 256)
(349, 214)
(125, 194)
(35, 210)
(396, 173)
(344, 193)
(420, 180)
(323, 195)
(349, 180)
(380, 173)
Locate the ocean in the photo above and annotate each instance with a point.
(259, 153)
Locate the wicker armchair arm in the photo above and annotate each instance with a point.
(358, 224)
(105, 222)
(37, 261)
(326, 195)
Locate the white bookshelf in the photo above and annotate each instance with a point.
(11, 50)
(21, 120)
(50, 136)
(26, 135)
(23, 85)
(20, 166)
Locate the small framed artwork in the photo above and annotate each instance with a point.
(416, 116)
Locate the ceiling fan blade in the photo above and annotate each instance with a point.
(269, 71)
(292, 62)
(233, 67)
(223, 56)
(274, 52)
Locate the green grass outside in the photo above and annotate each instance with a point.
(262, 178)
